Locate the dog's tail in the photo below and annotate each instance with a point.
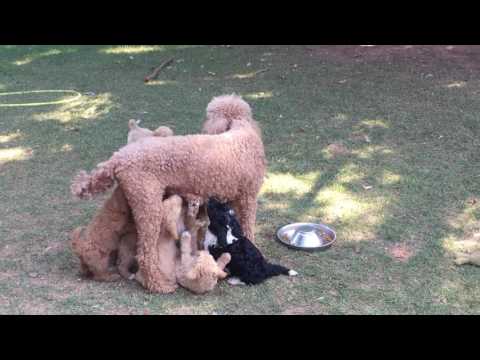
(86, 186)
(275, 270)
(229, 107)
(223, 110)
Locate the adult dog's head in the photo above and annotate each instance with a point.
(223, 111)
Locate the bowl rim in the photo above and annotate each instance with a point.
(317, 248)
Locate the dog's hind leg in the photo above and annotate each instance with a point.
(144, 194)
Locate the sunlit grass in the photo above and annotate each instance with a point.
(67, 148)
(389, 178)
(332, 203)
(247, 75)
(161, 82)
(466, 236)
(287, 183)
(371, 123)
(369, 151)
(349, 173)
(457, 84)
(29, 58)
(9, 137)
(340, 117)
(258, 95)
(84, 108)
(132, 49)
(340, 204)
(14, 154)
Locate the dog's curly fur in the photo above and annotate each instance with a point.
(199, 273)
(247, 262)
(97, 243)
(136, 132)
(105, 245)
(229, 165)
(165, 251)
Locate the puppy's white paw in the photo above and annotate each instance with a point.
(292, 273)
(235, 281)
(131, 277)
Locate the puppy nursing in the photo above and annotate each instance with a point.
(194, 270)
(225, 235)
(200, 242)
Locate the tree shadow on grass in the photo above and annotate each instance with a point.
(401, 193)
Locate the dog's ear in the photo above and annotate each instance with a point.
(132, 124)
(163, 131)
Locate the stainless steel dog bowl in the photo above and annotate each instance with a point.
(306, 236)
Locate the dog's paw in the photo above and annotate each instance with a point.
(235, 281)
(292, 273)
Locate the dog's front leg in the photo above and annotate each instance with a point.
(246, 210)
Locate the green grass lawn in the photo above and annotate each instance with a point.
(384, 150)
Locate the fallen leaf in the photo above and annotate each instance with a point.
(337, 149)
(400, 252)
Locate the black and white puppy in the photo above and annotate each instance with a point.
(247, 266)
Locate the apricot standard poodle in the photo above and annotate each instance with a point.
(227, 161)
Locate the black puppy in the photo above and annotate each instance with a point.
(247, 266)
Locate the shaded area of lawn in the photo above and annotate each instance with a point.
(382, 148)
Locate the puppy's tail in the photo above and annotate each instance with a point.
(275, 270)
(86, 186)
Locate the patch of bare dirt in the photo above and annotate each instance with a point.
(401, 252)
(337, 149)
(467, 56)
